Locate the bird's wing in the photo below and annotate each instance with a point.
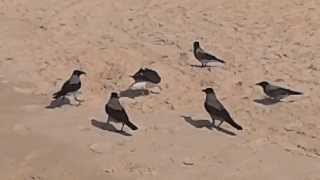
(213, 102)
(277, 90)
(152, 76)
(63, 90)
(215, 107)
(117, 114)
(138, 75)
(68, 87)
(202, 54)
(115, 110)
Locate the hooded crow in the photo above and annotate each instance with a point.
(202, 56)
(145, 78)
(117, 113)
(71, 86)
(217, 110)
(276, 92)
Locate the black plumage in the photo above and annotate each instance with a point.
(217, 110)
(72, 85)
(203, 56)
(276, 92)
(146, 74)
(117, 113)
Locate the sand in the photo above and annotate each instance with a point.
(42, 41)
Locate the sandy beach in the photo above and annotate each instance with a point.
(43, 41)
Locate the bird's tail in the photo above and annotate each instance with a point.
(57, 95)
(220, 60)
(234, 124)
(295, 93)
(131, 125)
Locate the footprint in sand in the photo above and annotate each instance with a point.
(99, 148)
(21, 129)
(22, 90)
(31, 107)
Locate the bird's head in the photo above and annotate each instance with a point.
(78, 72)
(114, 95)
(208, 91)
(141, 70)
(262, 84)
(196, 44)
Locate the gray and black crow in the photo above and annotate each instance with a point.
(203, 56)
(71, 86)
(217, 110)
(117, 113)
(276, 92)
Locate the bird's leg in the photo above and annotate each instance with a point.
(160, 88)
(108, 120)
(122, 127)
(220, 123)
(76, 98)
(213, 122)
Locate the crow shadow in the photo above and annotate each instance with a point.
(56, 103)
(129, 93)
(108, 127)
(200, 123)
(199, 66)
(267, 101)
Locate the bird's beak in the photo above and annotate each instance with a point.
(257, 84)
(84, 73)
(203, 90)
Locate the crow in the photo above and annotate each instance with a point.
(202, 56)
(117, 113)
(217, 110)
(71, 86)
(276, 92)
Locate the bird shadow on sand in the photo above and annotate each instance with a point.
(199, 66)
(134, 93)
(267, 101)
(200, 123)
(108, 127)
(56, 103)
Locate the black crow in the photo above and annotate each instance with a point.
(145, 78)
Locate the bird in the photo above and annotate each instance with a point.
(276, 92)
(203, 56)
(117, 113)
(216, 110)
(71, 86)
(145, 78)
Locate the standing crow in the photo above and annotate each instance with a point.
(276, 92)
(203, 56)
(117, 113)
(216, 109)
(71, 86)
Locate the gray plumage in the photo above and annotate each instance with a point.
(203, 56)
(72, 85)
(216, 110)
(117, 113)
(276, 92)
